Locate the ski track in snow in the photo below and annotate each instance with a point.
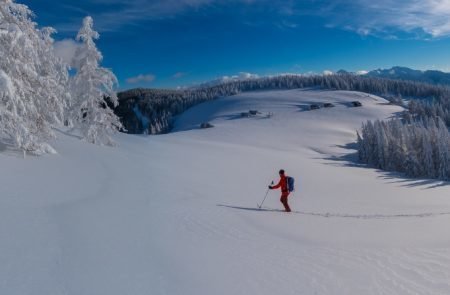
(320, 269)
(174, 214)
(343, 215)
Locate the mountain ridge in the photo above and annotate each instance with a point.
(404, 73)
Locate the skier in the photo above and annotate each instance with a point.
(284, 190)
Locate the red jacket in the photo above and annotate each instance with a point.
(282, 183)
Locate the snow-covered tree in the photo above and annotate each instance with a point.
(93, 91)
(418, 149)
(443, 148)
(32, 80)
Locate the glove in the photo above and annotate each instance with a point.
(270, 187)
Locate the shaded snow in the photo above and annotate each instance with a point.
(176, 213)
(143, 119)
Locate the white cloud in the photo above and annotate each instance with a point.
(65, 49)
(391, 19)
(327, 73)
(223, 79)
(240, 76)
(178, 75)
(132, 12)
(287, 74)
(388, 18)
(141, 78)
(245, 75)
(361, 72)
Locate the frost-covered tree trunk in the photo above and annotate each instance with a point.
(32, 80)
(92, 87)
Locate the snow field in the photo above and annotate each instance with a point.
(176, 213)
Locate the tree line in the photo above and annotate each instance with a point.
(152, 111)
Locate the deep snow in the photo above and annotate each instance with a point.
(176, 213)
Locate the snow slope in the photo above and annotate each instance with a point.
(176, 213)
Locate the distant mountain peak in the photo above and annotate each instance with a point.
(405, 73)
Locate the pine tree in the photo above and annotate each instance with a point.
(33, 80)
(93, 91)
(443, 143)
(427, 155)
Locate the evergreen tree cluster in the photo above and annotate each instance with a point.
(152, 111)
(37, 93)
(417, 144)
(432, 108)
(416, 148)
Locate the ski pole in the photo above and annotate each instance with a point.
(259, 206)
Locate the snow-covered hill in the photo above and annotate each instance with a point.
(176, 213)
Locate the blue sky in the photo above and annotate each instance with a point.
(170, 43)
